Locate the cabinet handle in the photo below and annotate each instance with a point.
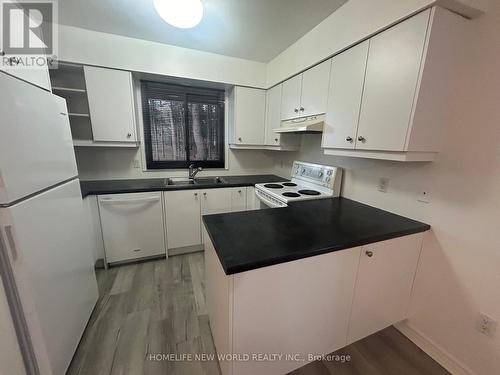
(239, 191)
(275, 139)
(239, 139)
(296, 110)
(362, 139)
(301, 109)
(129, 135)
(349, 139)
(205, 194)
(196, 195)
(2, 53)
(369, 253)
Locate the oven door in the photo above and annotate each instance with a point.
(264, 201)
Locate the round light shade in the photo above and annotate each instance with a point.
(183, 14)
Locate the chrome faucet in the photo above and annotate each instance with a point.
(193, 171)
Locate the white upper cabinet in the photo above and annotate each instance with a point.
(306, 94)
(315, 89)
(273, 115)
(391, 79)
(111, 104)
(290, 100)
(247, 108)
(344, 97)
(409, 78)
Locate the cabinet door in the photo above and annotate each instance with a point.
(273, 115)
(182, 212)
(132, 225)
(344, 97)
(252, 203)
(290, 99)
(216, 201)
(238, 199)
(249, 116)
(392, 75)
(315, 89)
(111, 104)
(384, 283)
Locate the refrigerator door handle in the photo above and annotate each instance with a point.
(11, 242)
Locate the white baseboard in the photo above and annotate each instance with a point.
(441, 356)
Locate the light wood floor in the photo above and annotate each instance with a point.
(159, 307)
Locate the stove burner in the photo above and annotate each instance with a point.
(273, 186)
(291, 195)
(289, 184)
(309, 192)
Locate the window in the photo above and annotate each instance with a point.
(182, 126)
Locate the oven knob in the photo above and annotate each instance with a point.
(320, 174)
(328, 179)
(329, 173)
(303, 170)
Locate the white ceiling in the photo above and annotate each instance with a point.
(251, 29)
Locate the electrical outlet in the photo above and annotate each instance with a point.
(424, 195)
(136, 163)
(383, 184)
(486, 325)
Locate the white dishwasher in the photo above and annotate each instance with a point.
(132, 225)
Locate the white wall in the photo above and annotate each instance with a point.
(351, 23)
(459, 271)
(104, 163)
(114, 51)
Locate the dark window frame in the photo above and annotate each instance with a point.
(186, 94)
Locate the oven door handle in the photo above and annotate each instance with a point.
(266, 201)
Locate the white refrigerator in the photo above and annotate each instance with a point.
(45, 257)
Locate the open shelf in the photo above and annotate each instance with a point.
(90, 143)
(68, 89)
(78, 114)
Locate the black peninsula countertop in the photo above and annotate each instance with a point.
(253, 239)
(158, 184)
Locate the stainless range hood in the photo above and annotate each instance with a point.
(310, 124)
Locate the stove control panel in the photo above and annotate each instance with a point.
(321, 175)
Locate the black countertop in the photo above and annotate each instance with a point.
(158, 184)
(253, 239)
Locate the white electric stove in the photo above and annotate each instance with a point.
(309, 181)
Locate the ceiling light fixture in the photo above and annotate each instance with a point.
(183, 14)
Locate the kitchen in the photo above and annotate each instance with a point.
(371, 128)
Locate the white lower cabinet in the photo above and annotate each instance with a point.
(238, 199)
(312, 305)
(384, 283)
(184, 210)
(252, 202)
(182, 218)
(132, 225)
(216, 201)
(95, 231)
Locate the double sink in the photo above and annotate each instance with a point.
(195, 181)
